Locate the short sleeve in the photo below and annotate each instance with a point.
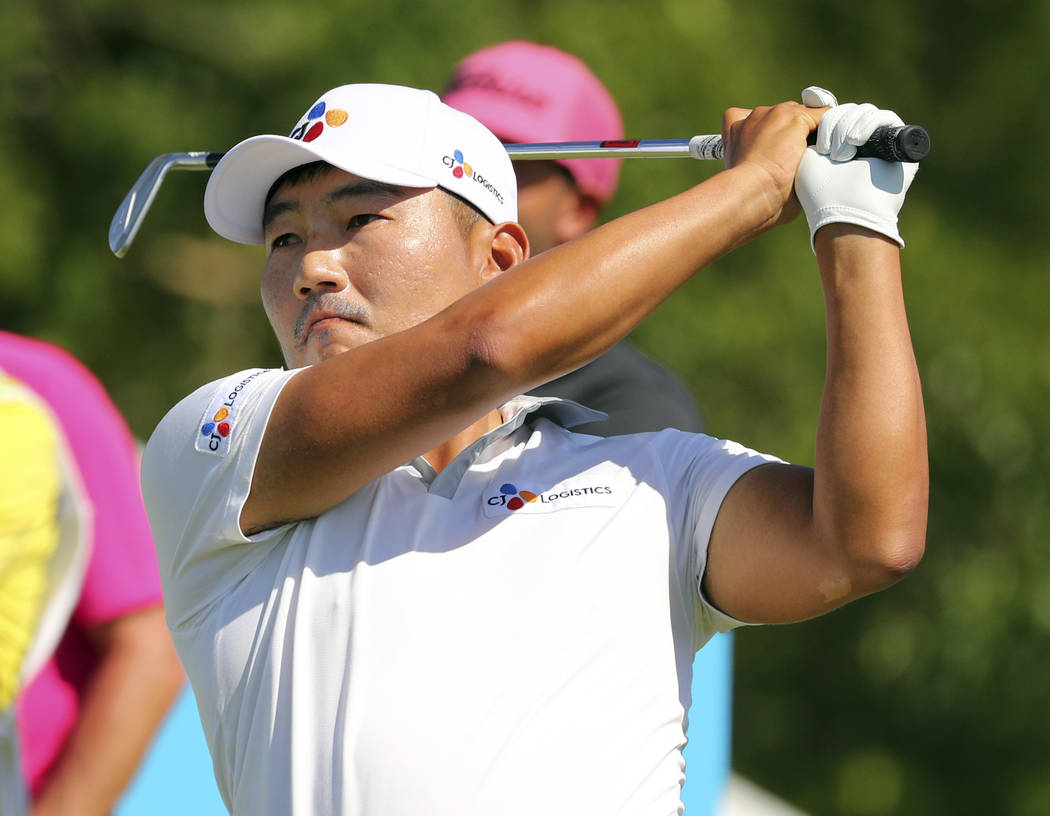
(702, 470)
(196, 475)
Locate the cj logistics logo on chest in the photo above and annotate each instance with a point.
(513, 499)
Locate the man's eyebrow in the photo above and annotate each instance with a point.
(364, 187)
(276, 208)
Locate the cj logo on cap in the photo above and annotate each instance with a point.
(459, 166)
(462, 169)
(316, 119)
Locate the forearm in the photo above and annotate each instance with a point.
(871, 478)
(572, 303)
(130, 692)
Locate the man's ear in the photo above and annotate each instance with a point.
(573, 221)
(509, 247)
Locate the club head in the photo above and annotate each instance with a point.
(132, 210)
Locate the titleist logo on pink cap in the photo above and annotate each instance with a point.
(489, 81)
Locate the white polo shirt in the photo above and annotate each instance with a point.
(514, 635)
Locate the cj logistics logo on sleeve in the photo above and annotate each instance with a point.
(216, 426)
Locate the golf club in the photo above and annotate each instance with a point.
(909, 143)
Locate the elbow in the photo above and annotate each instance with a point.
(889, 560)
(903, 557)
(497, 353)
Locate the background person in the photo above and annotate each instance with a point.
(526, 92)
(87, 717)
(44, 527)
(378, 611)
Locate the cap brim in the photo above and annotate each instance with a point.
(236, 192)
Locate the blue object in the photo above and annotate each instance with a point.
(708, 752)
(176, 777)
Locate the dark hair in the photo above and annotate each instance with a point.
(303, 172)
(465, 213)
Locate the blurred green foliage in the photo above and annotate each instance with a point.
(930, 698)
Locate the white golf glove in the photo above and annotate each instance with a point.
(834, 187)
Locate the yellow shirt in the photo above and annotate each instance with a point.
(30, 488)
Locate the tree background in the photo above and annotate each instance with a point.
(929, 698)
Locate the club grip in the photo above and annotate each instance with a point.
(909, 143)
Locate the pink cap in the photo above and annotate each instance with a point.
(524, 92)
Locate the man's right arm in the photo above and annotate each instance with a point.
(326, 437)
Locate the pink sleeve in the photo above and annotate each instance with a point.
(122, 575)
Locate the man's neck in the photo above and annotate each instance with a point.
(440, 457)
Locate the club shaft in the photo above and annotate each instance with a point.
(648, 148)
(908, 143)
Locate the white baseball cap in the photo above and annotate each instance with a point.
(387, 133)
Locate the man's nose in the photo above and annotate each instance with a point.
(320, 271)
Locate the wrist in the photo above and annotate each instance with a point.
(847, 253)
(843, 236)
(762, 199)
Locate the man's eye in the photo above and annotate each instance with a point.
(283, 240)
(358, 221)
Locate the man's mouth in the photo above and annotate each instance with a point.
(315, 317)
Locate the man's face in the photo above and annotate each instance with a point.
(349, 260)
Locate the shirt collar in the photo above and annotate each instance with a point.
(519, 411)
(559, 411)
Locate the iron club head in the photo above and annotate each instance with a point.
(132, 210)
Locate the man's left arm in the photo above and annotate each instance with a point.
(790, 542)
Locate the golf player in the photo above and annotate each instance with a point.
(399, 588)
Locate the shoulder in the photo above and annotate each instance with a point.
(196, 475)
(678, 455)
(205, 419)
(692, 465)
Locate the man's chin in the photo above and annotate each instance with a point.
(320, 349)
(330, 350)
(328, 342)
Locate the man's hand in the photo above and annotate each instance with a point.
(834, 187)
(773, 140)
